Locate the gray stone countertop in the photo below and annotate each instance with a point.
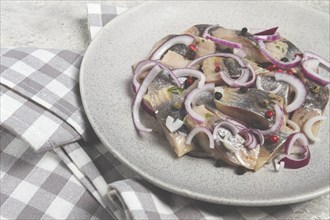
(63, 25)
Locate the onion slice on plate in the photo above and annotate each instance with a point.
(185, 39)
(197, 130)
(237, 82)
(139, 96)
(281, 64)
(269, 31)
(309, 68)
(279, 115)
(296, 158)
(309, 55)
(190, 98)
(191, 72)
(224, 42)
(227, 125)
(271, 37)
(293, 126)
(139, 69)
(298, 87)
(308, 127)
(207, 30)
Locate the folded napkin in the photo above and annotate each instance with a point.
(52, 164)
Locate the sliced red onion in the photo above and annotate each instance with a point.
(247, 136)
(185, 39)
(228, 55)
(290, 159)
(237, 83)
(281, 64)
(298, 87)
(139, 97)
(308, 127)
(190, 98)
(224, 42)
(197, 130)
(294, 126)
(310, 55)
(271, 37)
(239, 52)
(278, 122)
(240, 125)
(191, 72)
(258, 134)
(259, 86)
(207, 30)
(309, 66)
(139, 69)
(270, 31)
(227, 125)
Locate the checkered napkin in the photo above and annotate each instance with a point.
(53, 166)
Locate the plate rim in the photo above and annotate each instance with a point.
(162, 184)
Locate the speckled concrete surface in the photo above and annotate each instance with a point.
(23, 24)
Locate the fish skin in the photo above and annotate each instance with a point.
(314, 105)
(283, 47)
(269, 83)
(269, 151)
(162, 100)
(246, 107)
(219, 152)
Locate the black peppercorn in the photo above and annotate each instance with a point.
(217, 95)
(240, 170)
(218, 163)
(191, 54)
(227, 50)
(284, 59)
(244, 31)
(243, 89)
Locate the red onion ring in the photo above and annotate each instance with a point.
(224, 42)
(258, 134)
(270, 31)
(207, 30)
(239, 52)
(185, 39)
(191, 72)
(139, 69)
(139, 97)
(278, 121)
(240, 125)
(247, 136)
(310, 55)
(237, 83)
(281, 64)
(309, 66)
(197, 130)
(308, 127)
(291, 161)
(271, 37)
(226, 125)
(190, 98)
(298, 87)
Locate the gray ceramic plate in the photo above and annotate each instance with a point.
(105, 88)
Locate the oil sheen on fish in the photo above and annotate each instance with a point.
(249, 107)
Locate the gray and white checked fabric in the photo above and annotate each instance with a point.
(53, 167)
